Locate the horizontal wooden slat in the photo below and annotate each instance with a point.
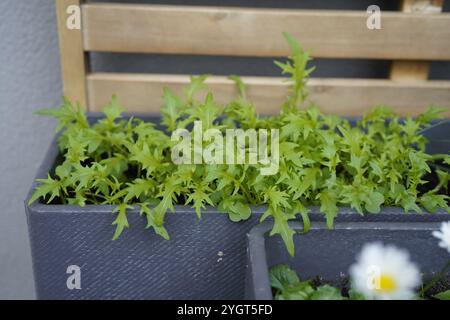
(258, 32)
(142, 92)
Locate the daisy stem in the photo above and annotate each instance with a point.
(435, 279)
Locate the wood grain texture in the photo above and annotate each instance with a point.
(421, 6)
(257, 32)
(409, 70)
(72, 56)
(415, 70)
(142, 92)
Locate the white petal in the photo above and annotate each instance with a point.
(438, 234)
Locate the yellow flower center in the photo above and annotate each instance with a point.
(386, 283)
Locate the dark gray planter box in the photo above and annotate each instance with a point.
(330, 253)
(205, 259)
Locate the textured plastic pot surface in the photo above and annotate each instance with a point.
(330, 253)
(205, 259)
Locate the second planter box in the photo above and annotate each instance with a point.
(330, 253)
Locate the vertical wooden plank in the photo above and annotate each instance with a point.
(73, 58)
(415, 70)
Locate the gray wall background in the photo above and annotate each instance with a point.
(30, 79)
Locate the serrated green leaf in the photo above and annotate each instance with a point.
(282, 228)
(139, 187)
(121, 220)
(433, 202)
(328, 205)
(67, 114)
(199, 198)
(49, 186)
(160, 230)
(196, 84)
(171, 110)
(113, 110)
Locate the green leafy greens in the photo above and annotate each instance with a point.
(324, 160)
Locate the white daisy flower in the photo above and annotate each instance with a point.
(444, 235)
(385, 273)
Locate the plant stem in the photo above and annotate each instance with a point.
(246, 192)
(139, 170)
(439, 155)
(433, 126)
(94, 195)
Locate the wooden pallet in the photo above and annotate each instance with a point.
(412, 38)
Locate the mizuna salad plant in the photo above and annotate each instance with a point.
(323, 161)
